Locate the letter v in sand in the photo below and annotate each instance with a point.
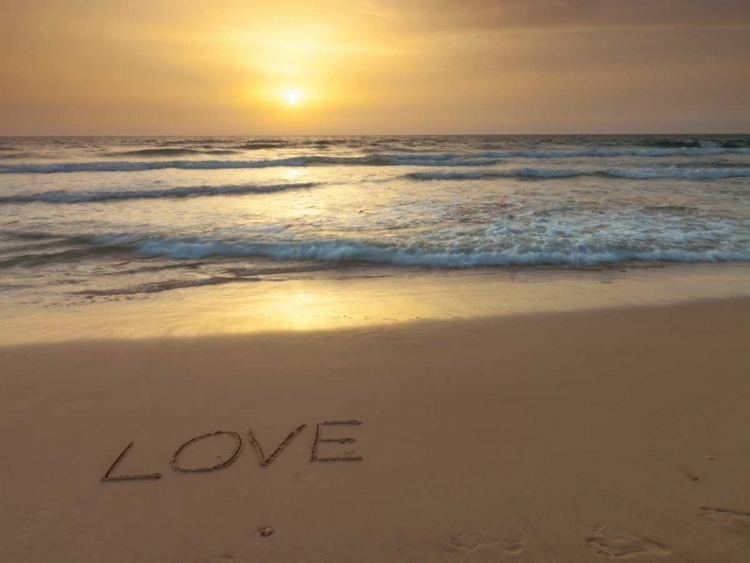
(266, 461)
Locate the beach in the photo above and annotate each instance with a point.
(374, 349)
(543, 434)
(435, 281)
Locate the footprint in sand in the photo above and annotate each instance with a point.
(473, 541)
(621, 543)
(738, 522)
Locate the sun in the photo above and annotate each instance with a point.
(292, 96)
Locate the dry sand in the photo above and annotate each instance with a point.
(549, 437)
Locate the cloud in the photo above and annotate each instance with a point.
(374, 66)
(475, 15)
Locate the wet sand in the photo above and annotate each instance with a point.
(364, 298)
(568, 436)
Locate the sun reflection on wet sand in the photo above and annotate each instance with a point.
(335, 303)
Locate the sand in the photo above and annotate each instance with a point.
(361, 298)
(571, 436)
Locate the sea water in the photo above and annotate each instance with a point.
(117, 216)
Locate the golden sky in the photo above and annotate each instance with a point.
(373, 66)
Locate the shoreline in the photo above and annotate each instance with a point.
(548, 437)
(330, 303)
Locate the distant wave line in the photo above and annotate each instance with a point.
(553, 173)
(183, 192)
(396, 159)
(167, 151)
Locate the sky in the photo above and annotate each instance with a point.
(245, 67)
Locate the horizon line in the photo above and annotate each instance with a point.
(135, 135)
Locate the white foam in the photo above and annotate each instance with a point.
(350, 251)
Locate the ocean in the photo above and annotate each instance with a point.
(105, 217)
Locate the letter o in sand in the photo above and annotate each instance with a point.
(226, 463)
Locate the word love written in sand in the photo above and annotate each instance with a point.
(232, 456)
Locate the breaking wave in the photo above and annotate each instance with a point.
(356, 252)
(334, 251)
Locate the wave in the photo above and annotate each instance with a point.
(600, 152)
(262, 146)
(604, 152)
(139, 166)
(173, 152)
(540, 173)
(59, 256)
(555, 173)
(679, 173)
(702, 143)
(19, 155)
(183, 192)
(343, 251)
(337, 251)
(397, 159)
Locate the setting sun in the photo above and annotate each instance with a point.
(292, 97)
